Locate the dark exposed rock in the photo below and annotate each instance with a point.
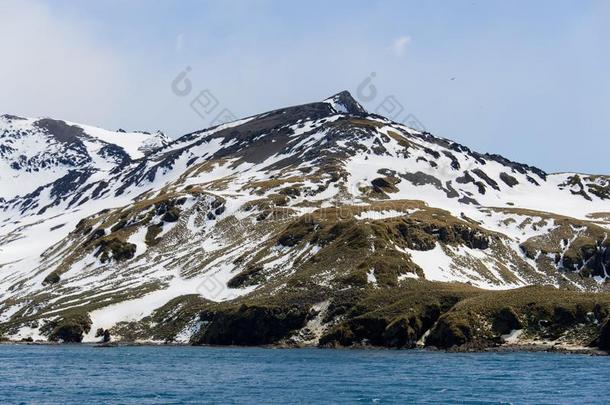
(506, 320)
(465, 178)
(455, 164)
(98, 233)
(151, 234)
(450, 191)
(216, 203)
(448, 334)
(486, 178)
(532, 180)
(171, 215)
(52, 278)
(116, 249)
(588, 256)
(119, 225)
(563, 316)
(436, 155)
(604, 336)
(250, 276)
(250, 325)
(400, 333)
(68, 329)
(62, 132)
(56, 227)
(345, 99)
(405, 332)
(422, 179)
(468, 200)
(11, 117)
(104, 334)
(508, 179)
(118, 155)
(518, 167)
(385, 184)
(341, 335)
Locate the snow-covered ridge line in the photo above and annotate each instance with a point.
(35, 152)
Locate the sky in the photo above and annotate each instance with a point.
(529, 80)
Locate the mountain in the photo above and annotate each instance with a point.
(38, 152)
(318, 224)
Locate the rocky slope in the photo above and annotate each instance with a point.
(315, 224)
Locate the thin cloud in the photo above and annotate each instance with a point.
(399, 46)
(179, 42)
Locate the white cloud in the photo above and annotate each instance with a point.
(399, 46)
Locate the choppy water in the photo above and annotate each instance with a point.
(83, 374)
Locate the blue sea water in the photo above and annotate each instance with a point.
(167, 375)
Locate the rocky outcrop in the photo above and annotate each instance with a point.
(250, 325)
(604, 336)
(69, 328)
(542, 313)
(116, 249)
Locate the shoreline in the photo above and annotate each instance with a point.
(506, 348)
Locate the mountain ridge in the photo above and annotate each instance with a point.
(52, 148)
(304, 203)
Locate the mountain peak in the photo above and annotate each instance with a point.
(343, 102)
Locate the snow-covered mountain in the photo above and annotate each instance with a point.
(38, 152)
(150, 239)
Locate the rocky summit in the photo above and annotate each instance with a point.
(319, 224)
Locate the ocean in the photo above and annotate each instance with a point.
(70, 374)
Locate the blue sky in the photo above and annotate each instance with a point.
(527, 79)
